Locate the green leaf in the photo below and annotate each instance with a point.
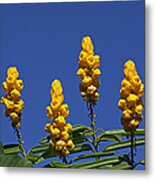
(42, 156)
(124, 144)
(38, 149)
(60, 165)
(79, 128)
(11, 149)
(44, 140)
(98, 163)
(80, 148)
(14, 161)
(109, 137)
(142, 162)
(93, 155)
(122, 166)
(140, 132)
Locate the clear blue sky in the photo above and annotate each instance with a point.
(44, 41)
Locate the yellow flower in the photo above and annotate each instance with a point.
(96, 73)
(132, 99)
(59, 145)
(13, 71)
(88, 71)
(90, 61)
(5, 87)
(81, 73)
(56, 87)
(68, 128)
(55, 132)
(139, 109)
(57, 111)
(15, 95)
(8, 103)
(19, 85)
(70, 144)
(131, 92)
(87, 45)
(122, 104)
(64, 110)
(87, 81)
(60, 120)
(10, 80)
(47, 127)
(14, 105)
(91, 89)
(127, 114)
(14, 117)
(64, 135)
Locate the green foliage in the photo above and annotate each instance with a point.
(10, 155)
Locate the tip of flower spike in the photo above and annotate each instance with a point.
(87, 44)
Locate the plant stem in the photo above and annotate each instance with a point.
(95, 145)
(132, 150)
(21, 147)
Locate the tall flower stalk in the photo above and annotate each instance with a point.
(13, 102)
(131, 103)
(58, 128)
(89, 73)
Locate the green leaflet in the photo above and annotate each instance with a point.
(14, 161)
(124, 144)
(11, 149)
(93, 155)
(97, 163)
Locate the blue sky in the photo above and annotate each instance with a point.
(44, 41)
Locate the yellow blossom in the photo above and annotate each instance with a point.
(57, 111)
(89, 71)
(131, 92)
(14, 105)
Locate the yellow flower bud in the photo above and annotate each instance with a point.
(47, 127)
(96, 73)
(15, 95)
(91, 89)
(59, 145)
(90, 61)
(55, 132)
(64, 110)
(13, 71)
(122, 104)
(10, 80)
(5, 87)
(87, 81)
(56, 103)
(64, 135)
(14, 117)
(132, 99)
(68, 127)
(60, 120)
(130, 65)
(97, 61)
(87, 45)
(19, 85)
(81, 73)
(139, 109)
(127, 114)
(57, 87)
(70, 144)
(124, 93)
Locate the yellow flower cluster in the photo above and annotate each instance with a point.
(89, 71)
(14, 105)
(131, 92)
(59, 129)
